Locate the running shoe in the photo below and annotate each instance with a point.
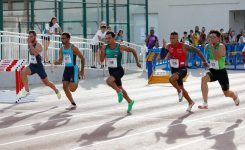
(58, 94)
(190, 107)
(130, 106)
(180, 94)
(120, 96)
(71, 107)
(204, 106)
(237, 100)
(24, 94)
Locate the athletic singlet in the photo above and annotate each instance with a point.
(68, 57)
(113, 56)
(218, 65)
(178, 56)
(35, 59)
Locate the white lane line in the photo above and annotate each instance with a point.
(88, 114)
(148, 131)
(108, 110)
(202, 139)
(139, 133)
(89, 103)
(92, 103)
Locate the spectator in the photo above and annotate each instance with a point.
(50, 29)
(108, 28)
(242, 38)
(239, 35)
(185, 39)
(203, 36)
(190, 37)
(222, 40)
(119, 37)
(151, 40)
(196, 36)
(232, 37)
(226, 38)
(96, 42)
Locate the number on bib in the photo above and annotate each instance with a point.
(111, 62)
(174, 63)
(67, 58)
(214, 64)
(33, 59)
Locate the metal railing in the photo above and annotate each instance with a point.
(13, 45)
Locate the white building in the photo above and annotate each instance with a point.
(183, 15)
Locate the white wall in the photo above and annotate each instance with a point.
(183, 15)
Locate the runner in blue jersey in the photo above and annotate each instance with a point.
(68, 54)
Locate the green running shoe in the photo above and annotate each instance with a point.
(130, 106)
(120, 96)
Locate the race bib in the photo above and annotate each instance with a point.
(33, 59)
(214, 64)
(174, 63)
(111, 62)
(67, 58)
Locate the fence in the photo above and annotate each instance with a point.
(13, 45)
(235, 58)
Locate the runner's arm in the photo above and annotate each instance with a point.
(76, 51)
(36, 50)
(129, 49)
(59, 61)
(102, 53)
(195, 50)
(219, 53)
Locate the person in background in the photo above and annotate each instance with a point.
(222, 38)
(242, 38)
(51, 28)
(95, 44)
(191, 37)
(108, 28)
(203, 37)
(119, 37)
(152, 40)
(185, 38)
(232, 37)
(196, 36)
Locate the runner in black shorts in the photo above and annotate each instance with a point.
(182, 72)
(68, 54)
(216, 52)
(221, 76)
(36, 65)
(117, 73)
(178, 55)
(113, 54)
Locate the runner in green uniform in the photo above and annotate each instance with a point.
(216, 52)
(113, 54)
